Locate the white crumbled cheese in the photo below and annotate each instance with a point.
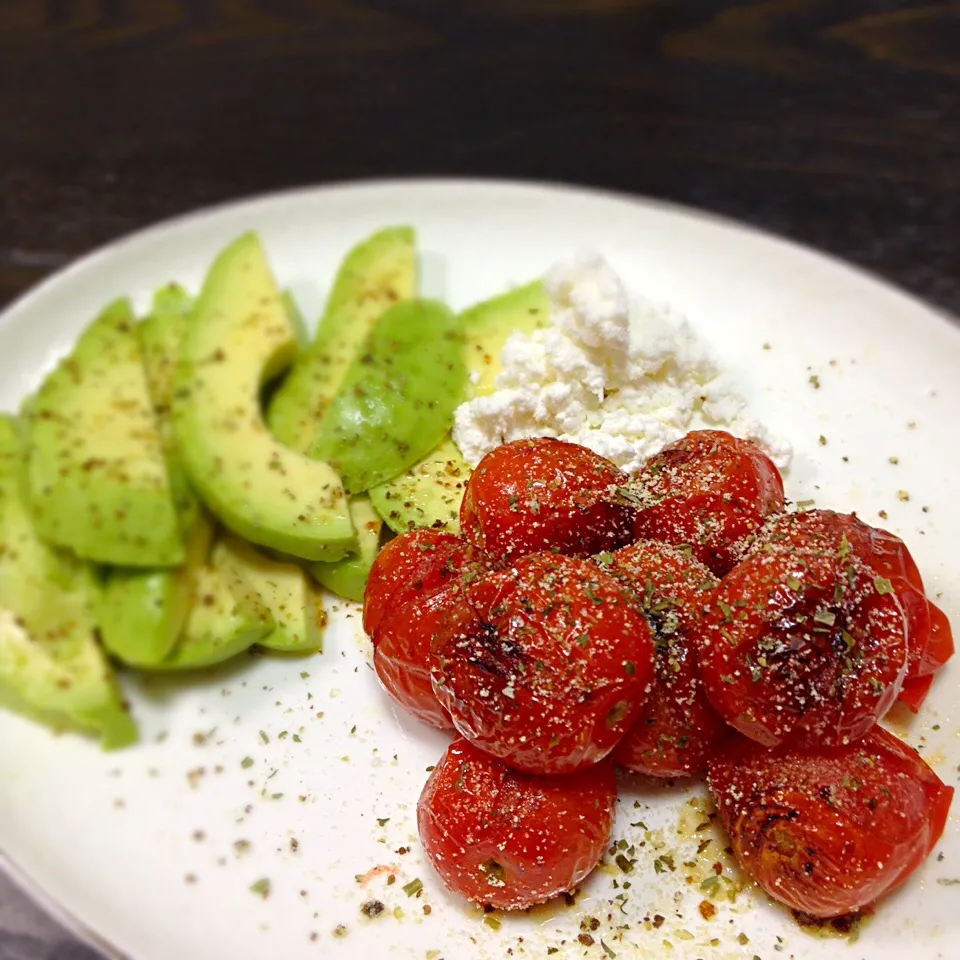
(621, 375)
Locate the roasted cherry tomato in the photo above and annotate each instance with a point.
(929, 638)
(828, 830)
(545, 494)
(677, 727)
(509, 839)
(707, 491)
(414, 580)
(544, 665)
(802, 639)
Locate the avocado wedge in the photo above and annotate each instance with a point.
(348, 577)
(226, 618)
(238, 338)
(142, 612)
(161, 333)
(51, 667)
(426, 495)
(397, 399)
(285, 589)
(97, 476)
(488, 325)
(380, 271)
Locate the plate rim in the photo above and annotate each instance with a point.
(265, 198)
(547, 189)
(61, 914)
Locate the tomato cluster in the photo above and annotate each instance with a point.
(672, 623)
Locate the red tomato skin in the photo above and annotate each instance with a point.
(706, 491)
(510, 840)
(940, 647)
(914, 692)
(888, 555)
(773, 670)
(413, 582)
(402, 655)
(545, 494)
(544, 665)
(829, 830)
(677, 728)
(929, 637)
(938, 650)
(414, 564)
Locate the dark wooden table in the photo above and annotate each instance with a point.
(835, 123)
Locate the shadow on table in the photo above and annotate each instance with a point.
(14, 946)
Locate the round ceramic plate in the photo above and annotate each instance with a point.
(270, 800)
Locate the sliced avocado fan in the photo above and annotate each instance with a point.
(97, 476)
(51, 667)
(239, 337)
(380, 271)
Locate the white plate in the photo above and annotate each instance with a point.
(155, 849)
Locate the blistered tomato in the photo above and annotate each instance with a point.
(508, 839)
(545, 494)
(677, 727)
(414, 580)
(828, 830)
(545, 664)
(706, 491)
(803, 640)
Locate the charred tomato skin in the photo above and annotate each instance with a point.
(545, 494)
(707, 491)
(829, 830)
(414, 580)
(803, 641)
(929, 636)
(544, 665)
(677, 728)
(507, 839)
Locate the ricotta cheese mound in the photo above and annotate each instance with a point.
(621, 375)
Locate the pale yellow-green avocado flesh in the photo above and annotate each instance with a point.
(51, 667)
(240, 337)
(97, 475)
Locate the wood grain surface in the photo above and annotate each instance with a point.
(836, 123)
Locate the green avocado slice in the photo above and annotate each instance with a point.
(429, 493)
(240, 337)
(97, 476)
(380, 271)
(426, 495)
(226, 618)
(348, 577)
(142, 613)
(161, 333)
(285, 589)
(51, 667)
(397, 399)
